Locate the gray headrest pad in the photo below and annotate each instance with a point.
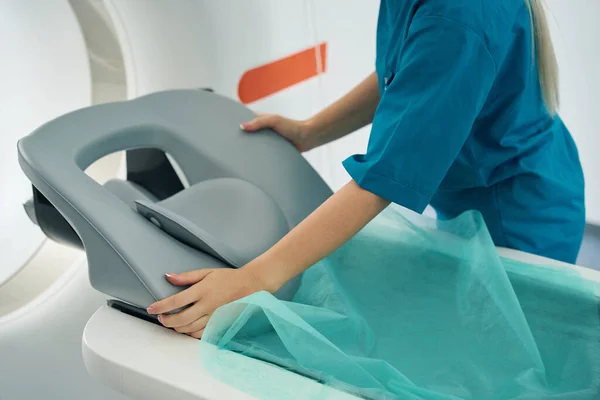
(129, 192)
(228, 218)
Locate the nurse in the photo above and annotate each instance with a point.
(463, 106)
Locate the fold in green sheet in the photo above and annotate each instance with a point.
(415, 308)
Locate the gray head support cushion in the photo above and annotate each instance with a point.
(246, 190)
(227, 218)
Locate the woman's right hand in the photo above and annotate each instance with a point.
(299, 133)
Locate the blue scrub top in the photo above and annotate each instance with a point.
(462, 125)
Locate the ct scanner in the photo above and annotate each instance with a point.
(58, 338)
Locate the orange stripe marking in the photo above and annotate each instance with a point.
(268, 79)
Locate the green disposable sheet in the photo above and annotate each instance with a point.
(415, 308)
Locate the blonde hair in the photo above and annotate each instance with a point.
(546, 57)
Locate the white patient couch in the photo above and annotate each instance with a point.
(148, 362)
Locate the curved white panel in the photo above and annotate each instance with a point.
(106, 61)
(45, 73)
(204, 43)
(163, 43)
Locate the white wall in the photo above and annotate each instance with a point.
(351, 58)
(576, 34)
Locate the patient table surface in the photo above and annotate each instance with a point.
(147, 362)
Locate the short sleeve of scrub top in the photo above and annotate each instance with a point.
(428, 104)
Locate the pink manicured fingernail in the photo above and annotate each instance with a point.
(150, 309)
(160, 319)
(170, 275)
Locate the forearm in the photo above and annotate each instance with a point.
(348, 114)
(321, 233)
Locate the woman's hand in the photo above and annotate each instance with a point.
(348, 114)
(334, 222)
(212, 288)
(299, 133)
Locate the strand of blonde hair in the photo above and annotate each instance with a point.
(546, 56)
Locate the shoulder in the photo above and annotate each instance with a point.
(479, 15)
(494, 21)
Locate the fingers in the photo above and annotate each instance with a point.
(182, 318)
(263, 121)
(174, 302)
(195, 326)
(197, 335)
(183, 298)
(188, 278)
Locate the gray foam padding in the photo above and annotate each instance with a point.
(228, 218)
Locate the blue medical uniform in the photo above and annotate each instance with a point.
(462, 125)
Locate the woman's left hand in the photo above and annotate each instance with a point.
(212, 288)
